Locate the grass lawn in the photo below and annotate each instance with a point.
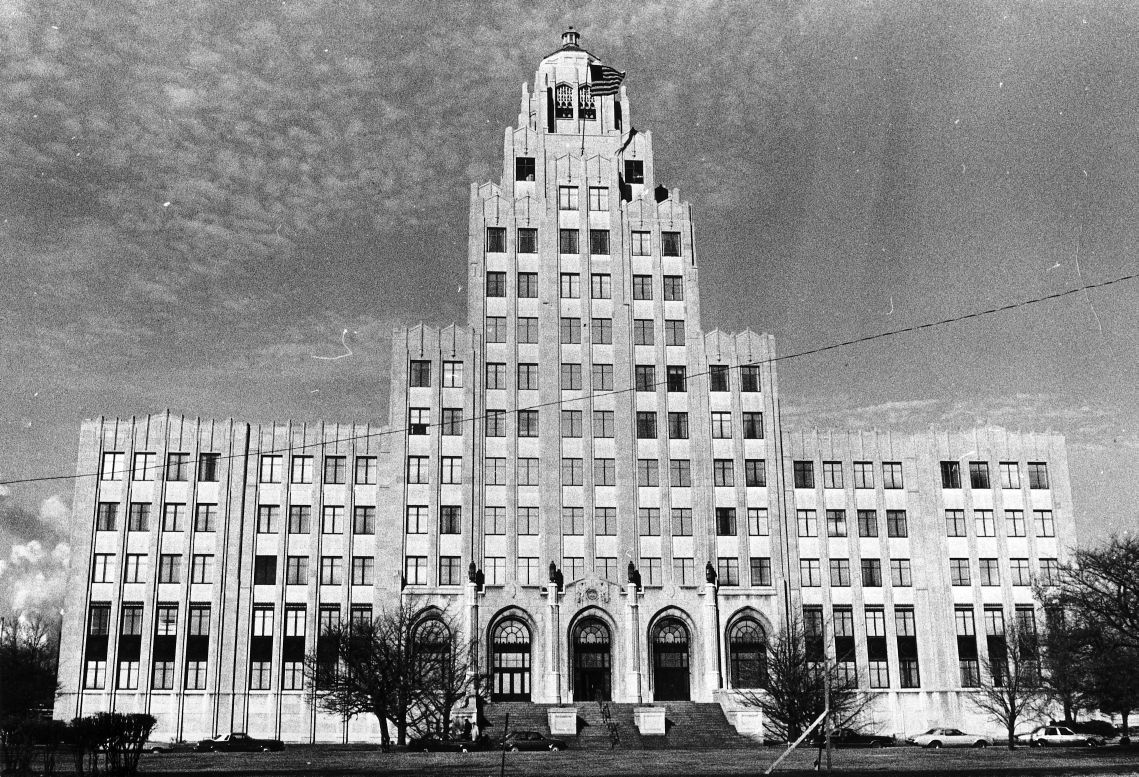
(305, 760)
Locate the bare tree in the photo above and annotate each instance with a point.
(1102, 585)
(1064, 655)
(28, 650)
(1113, 677)
(1011, 687)
(794, 690)
(444, 669)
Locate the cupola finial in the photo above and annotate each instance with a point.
(570, 37)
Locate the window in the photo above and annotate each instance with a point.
(749, 378)
(527, 377)
(605, 521)
(416, 519)
(173, 517)
(415, 570)
(567, 198)
(571, 377)
(603, 423)
(366, 469)
(330, 570)
(452, 375)
(524, 168)
(495, 567)
(642, 245)
(832, 474)
(867, 523)
(804, 474)
(683, 571)
(642, 286)
(670, 245)
(680, 473)
(572, 471)
(809, 574)
(264, 570)
(139, 517)
(896, 523)
(836, 523)
(648, 521)
(757, 522)
(678, 426)
(450, 519)
(418, 419)
(169, 568)
(984, 524)
(335, 469)
(676, 379)
(761, 571)
(575, 568)
(863, 474)
(805, 520)
(753, 426)
(570, 286)
(570, 330)
(496, 329)
(682, 522)
(718, 378)
(300, 518)
(568, 241)
(950, 474)
(495, 470)
(112, 466)
(598, 198)
(599, 242)
(1045, 526)
(723, 473)
(1010, 474)
(1018, 569)
(721, 425)
(990, 572)
(301, 469)
(363, 569)
(840, 572)
(363, 520)
(495, 423)
(208, 467)
(527, 571)
(876, 647)
(871, 573)
(452, 469)
(907, 647)
(601, 286)
(644, 377)
(979, 474)
(102, 570)
(417, 469)
(143, 466)
(419, 375)
(959, 571)
(296, 570)
(563, 101)
(674, 332)
(177, 466)
(495, 244)
(646, 425)
(528, 285)
(1049, 571)
(495, 375)
(673, 288)
(205, 517)
(725, 521)
(728, 570)
(452, 425)
(955, 523)
(571, 422)
(1014, 521)
(1037, 475)
(134, 570)
(892, 474)
(271, 469)
(602, 377)
(527, 472)
(900, 574)
(643, 331)
(634, 171)
(604, 472)
(494, 520)
(647, 473)
(527, 242)
(601, 331)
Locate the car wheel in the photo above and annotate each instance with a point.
(555, 748)
(980, 744)
(875, 745)
(463, 749)
(935, 744)
(514, 748)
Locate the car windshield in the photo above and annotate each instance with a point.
(1065, 731)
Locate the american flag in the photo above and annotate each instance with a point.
(604, 80)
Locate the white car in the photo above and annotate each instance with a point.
(948, 737)
(1058, 736)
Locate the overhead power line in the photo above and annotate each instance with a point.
(784, 357)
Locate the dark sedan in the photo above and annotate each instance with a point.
(848, 737)
(531, 740)
(435, 744)
(238, 742)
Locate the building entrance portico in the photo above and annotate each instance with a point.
(592, 661)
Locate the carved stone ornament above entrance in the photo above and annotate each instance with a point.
(590, 590)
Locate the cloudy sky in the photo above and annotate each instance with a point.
(198, 198)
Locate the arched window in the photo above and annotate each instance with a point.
(747, 654)
(592, 661)
(563, 101)
(510, 661)
(670, 661)
(585, 106)
(431, 644)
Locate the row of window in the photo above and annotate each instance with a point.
(174, 518)
(804, 474)
(569, 240)
(863, 471)
(845, 655)
(810, 572)
(600, 333)
(136, 568)
(570, 286)
(984, 523)
(1009, 475)
(836, 523)
(989, 570)
(603, 424)
(145, 466)
(995, 637)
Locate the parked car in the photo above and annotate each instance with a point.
(433, 743)
(531, 740)
(848, 737)
(1058, 736)
(948, 737)
(168, 746)
(238, 742)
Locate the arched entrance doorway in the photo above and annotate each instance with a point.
(670, 661)
(510, 660)
(592, 661)
(747, 654)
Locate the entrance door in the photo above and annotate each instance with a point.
(670, 661)
(511, 661)
(592, 661)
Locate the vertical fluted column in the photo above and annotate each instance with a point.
(633, 684)
(553, 645)
(712, 681)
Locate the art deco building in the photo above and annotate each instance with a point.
(594, 486)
